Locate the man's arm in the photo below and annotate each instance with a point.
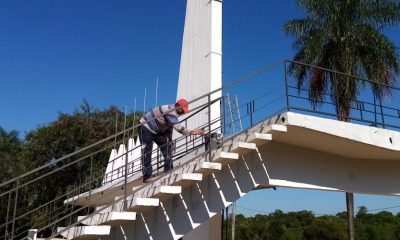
(197, 132)
(173, 120)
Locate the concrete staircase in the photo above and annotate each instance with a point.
(152, 198)
(271, 153)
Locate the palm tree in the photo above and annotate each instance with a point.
(346, 36)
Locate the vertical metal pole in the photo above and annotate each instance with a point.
(90, 181)
(8, 210)
(126, 174)
(222, 224)
(231, 113)
(337, 98)
(223, 114)
(15, 209)
(186, 139)
(233, 219)
(286, 88)
(209, 124)
(350, 214)
(253, 111)
(126, 111)
(382, 117)
(158, 159)
(116, 129)
(227, 220)
(376, 118)
(250, 111)
(134, 119)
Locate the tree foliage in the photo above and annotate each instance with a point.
(346, 36)
(304, 225)
(47, 143)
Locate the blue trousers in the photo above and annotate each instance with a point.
(147, 138)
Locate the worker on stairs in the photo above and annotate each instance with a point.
(157, 126)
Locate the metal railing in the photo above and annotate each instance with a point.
(263, 94)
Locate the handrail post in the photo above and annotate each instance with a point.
(286, 87)
(90, 181)
(376, 118)
(382, 116)
(209, 124)
(8, 211)
(15, 208)
(126, 172)
(337, 96)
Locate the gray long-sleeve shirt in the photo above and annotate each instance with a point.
(156, 122)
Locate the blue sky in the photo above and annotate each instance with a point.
(54, 54)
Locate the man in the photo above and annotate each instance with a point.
(157, 126)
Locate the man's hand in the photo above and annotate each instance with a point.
(197, 132)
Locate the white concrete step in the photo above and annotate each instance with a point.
(187, 179)
(206, 168)
(243, 148)
(276, 129)
(139, 204)
(85, 232)
(165, 192)
(109, 218)
(260, 138)
(224, 157)
(162, 192)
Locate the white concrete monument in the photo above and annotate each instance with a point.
(201, 59)
(200, 73)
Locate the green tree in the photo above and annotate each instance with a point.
(346, 36)
(10, 147)
(69, 133)
(10, 165)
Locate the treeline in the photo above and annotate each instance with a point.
(305, 225)
(43, 145)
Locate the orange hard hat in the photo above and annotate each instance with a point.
(183, 103)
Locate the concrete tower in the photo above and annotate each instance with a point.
(201, 59)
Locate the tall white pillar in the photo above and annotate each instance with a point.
(201, 58)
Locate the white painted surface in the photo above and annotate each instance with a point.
(210, 230)
(171, 189)
(32, 234)
(85, 232)
(201, 57)
(340, 138)
(300, 157)
(110, 166)
(110, 218)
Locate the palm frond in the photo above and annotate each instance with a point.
(344, 35)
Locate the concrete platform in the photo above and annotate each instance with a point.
(340, 138)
